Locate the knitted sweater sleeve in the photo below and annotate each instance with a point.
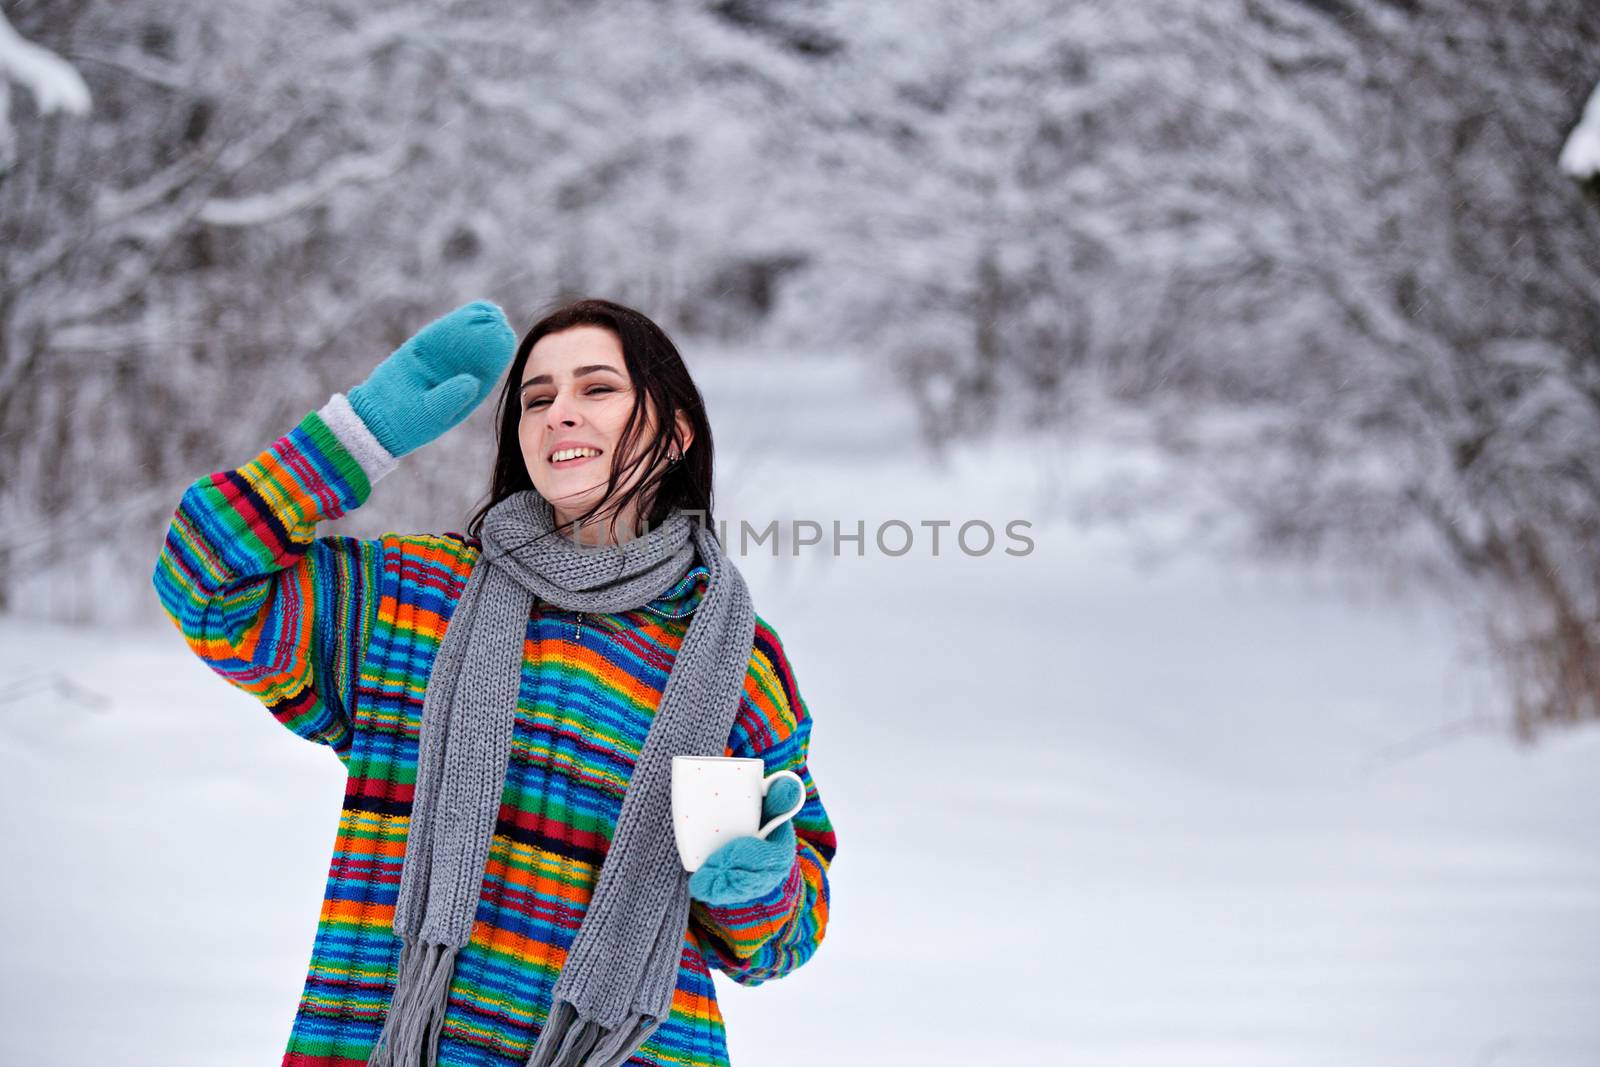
(774, 934)
(277, 611)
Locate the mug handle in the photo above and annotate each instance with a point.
(779, 820)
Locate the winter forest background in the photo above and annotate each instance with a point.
(1322, 249)
(1331, 266)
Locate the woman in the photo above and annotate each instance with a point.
(504, 888)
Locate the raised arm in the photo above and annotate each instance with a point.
(278, 611)
(268, 605)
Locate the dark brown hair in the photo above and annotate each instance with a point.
(660, 379)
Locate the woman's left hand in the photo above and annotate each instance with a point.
(749, 867)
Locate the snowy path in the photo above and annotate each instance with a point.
(1160, 821)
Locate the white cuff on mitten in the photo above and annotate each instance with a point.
(357, 439)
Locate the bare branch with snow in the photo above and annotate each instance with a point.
(1580, 156)
(296, 196)
(55, 84)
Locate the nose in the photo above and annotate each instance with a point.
(556, 413)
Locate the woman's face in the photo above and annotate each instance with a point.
(576, 394)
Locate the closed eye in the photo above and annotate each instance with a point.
(591, 391)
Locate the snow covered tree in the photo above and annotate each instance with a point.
(269, 197)
(1580, 156)
(55, 85)
(1320, 251)
(1320, 248)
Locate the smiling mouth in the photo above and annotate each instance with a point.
(572, 457)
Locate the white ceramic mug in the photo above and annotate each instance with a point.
(718, 798)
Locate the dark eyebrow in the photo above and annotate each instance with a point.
(590, 368)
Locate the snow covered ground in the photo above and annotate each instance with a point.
(1088, 813)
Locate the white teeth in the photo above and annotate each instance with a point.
(570, 453)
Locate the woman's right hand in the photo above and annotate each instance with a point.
(434, 380)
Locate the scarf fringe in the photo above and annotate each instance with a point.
(568, 1041)
(623, 1042)
(410, 1036)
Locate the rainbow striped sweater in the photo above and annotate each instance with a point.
(336, 636)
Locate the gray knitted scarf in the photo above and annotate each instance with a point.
(616, 985)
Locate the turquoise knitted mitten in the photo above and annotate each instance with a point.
(436, 378)
(747, 868)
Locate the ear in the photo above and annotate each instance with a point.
(685, 433)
